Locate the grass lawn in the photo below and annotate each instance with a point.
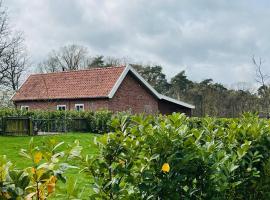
(10, 146)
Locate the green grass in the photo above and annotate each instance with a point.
(11, 146)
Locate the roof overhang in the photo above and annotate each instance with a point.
(147, 85)
(60, 98)
(181, 103)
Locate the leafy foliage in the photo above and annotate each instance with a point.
(176, 157)
(38, 180)
(97, 122)
(154, 157)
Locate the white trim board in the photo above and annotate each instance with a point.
(147, 85)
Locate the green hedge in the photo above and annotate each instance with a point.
(97, 122)
(175, 157)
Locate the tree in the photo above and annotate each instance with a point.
(12, 58)
(15, 61)
(69, 57)
(262, 79)
(97, 61)
(101, 61)
(154, 76)
(112, 61)
(12, 54)
(180, 85)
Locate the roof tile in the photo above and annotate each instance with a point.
(91, 83)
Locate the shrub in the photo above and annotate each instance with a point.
(39, 180)
(170, 157)
(93, 122)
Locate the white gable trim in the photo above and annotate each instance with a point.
(118, 82)
(141, 79)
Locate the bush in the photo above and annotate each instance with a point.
(93, 122)
(39, 180)
(176, 157)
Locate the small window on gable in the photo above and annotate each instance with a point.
(79, 107)
(61, 107)
(26, 108)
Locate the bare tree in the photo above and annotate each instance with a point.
(15, 61)
(70, 57)
(12, 55)
(49, 65)
(262, 79)
(112, 61)
(5, 41)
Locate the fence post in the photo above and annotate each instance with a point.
(30, 122)
(3, 126)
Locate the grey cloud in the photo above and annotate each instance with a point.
(208, 38)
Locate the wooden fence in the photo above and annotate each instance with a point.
(19, 126)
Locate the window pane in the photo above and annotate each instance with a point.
(79, 107)
(61, 107)
(25, 108)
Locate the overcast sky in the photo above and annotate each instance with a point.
(207, 38)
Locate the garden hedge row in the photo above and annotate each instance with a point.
(174, 157)
(157, 157)
(97, 122)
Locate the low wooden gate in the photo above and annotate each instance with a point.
(60, 125)
(49, 125)
(17, 126)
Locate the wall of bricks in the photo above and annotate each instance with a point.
(133, 96)
(130, 96)
(93, 104)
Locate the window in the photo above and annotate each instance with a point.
(26, 108)
(61, 107)
(79, 107)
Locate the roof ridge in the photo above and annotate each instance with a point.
(79, 70)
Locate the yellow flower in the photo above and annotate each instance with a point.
(165, 167)
(51, 184)
(51, 187)
(37, 157)
(33, 170)
(53, 179)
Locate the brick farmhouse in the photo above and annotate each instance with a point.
(111, 88)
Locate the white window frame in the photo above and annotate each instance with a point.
(25, 108)
(79, 104)
(58, 106)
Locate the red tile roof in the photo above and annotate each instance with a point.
(92, 83)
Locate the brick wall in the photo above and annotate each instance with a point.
(89, 104)
(131, 95)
